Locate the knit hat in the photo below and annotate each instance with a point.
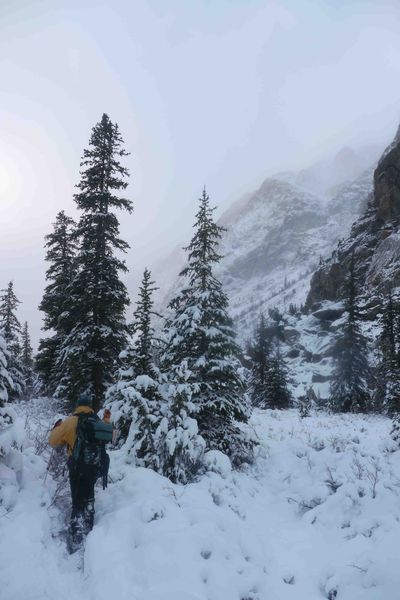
(84, 399)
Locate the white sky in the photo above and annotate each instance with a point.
(222, 92)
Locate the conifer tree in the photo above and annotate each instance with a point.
(10, 329)
(97, 297)
(180, 448)
(278, 389)
(351, 375)
(6, 415)
(259, 351)
(61, 249)
(269, 378)
(5, 380)
(389, 343)
(304, 406)
(135, 398)
(200, 335)
(27, 361)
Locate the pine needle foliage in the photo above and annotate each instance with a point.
(351, 377)
(61, 251)
(180, 448)
(135, 398)
(259, 353)
(269, 376)
(10, 329)
(200, 334)
(27, 361)
(389, 341)
(97, 296)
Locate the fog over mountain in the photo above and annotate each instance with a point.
(276, 235)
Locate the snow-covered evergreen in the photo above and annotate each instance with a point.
(135, 399)
(180, 447)
(351, 377)
(4, 375)
(199, 334)
(5, 385)
(61, 249)
(97, 298)
(10, 329)
(27, 361)
(258, 351)
(279, 393)
(269, 378)
(390, 345)
(306, 403)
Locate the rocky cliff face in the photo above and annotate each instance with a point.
(374, 240)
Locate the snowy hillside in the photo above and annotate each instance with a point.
(273, 245)
(316, 517)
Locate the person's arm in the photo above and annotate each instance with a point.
(57, 434)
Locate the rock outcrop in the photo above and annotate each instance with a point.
(374, 240)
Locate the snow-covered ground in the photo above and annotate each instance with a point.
(317, 516)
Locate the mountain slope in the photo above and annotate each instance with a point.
(374, 242)
(275, 242)
(275, 238)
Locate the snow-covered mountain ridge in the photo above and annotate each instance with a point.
(274, 244)
(276, 235)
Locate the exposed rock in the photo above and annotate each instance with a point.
(328, 314)
(319, 378)
(374, 240)
(293, 353)
(291, 335)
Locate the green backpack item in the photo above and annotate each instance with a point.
(88, 455)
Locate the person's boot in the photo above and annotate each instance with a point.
(75, 534)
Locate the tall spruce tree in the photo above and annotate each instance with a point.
(351, 376)
(390, 345)
(27, 361)
(61, 250)
(200, 335)
(10, 329)
(259, 352)
(135, 398)
(278, 389)
(269, 378)
(97, 297)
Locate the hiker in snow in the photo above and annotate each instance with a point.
(85, 436)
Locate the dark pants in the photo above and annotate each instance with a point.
(82, 515)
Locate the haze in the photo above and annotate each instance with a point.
(222, 93)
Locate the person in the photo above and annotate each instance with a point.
(86, 462)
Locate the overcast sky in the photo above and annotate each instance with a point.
(222, 92)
